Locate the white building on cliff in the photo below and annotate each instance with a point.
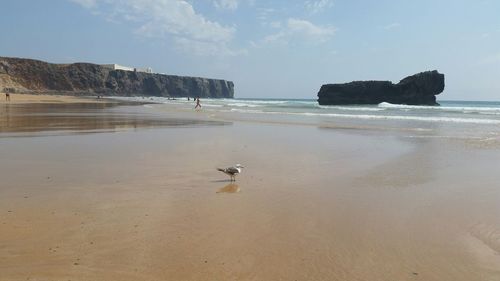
(115, 66)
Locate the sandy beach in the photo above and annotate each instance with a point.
(42, 98)
(109, 192)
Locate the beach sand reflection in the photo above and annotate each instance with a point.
(230, 188)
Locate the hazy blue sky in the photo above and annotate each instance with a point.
(269, 48)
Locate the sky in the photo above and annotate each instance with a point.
(269, 49)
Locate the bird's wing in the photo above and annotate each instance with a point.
(232, 170)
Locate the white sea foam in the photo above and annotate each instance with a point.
(212, 105)
(243, 104)
(380, 117)
(409, 118)
(391, 105)
(247, 111)
(351, 108)
(463, 109)
(262, 102)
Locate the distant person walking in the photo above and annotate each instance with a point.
(7, 97)
(198, 105)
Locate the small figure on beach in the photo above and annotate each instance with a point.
(198, 105)
(189, 99)
(7, 97)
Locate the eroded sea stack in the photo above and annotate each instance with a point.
(418, 89)
(27, 75)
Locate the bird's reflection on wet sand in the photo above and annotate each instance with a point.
(230, 188)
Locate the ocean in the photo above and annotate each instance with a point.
(458, 118)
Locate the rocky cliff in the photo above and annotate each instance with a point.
(27, 75)
(418, 89)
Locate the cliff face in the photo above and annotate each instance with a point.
(26, 75)
(418, 89)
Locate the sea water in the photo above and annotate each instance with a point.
(481, 118)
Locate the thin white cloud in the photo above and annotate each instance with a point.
(177, 18)
(318, 5)
(263, 14)
(160, 18)
(86, 3)
(277, 37)
(392, 26)
(304, 27)
(301, 30)
(200, 48)
(226, 4)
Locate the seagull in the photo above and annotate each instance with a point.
(232, 171)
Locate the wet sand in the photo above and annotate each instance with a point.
(72, 116)
(312, 204)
